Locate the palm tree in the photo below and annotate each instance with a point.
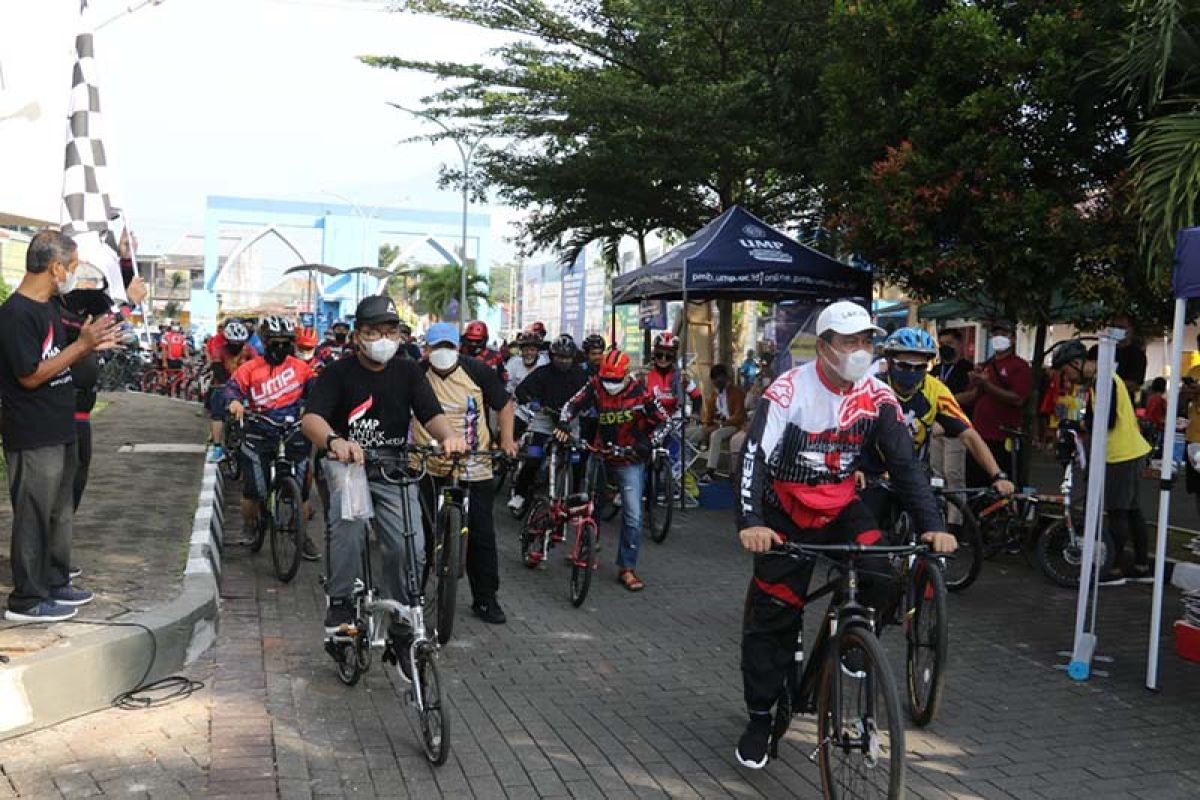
(435, 287)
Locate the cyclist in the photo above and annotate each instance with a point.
(475, 345)
(333, 348)
(803, 447)
(232, 353)
(925, 401)
(627, 414)
(531, 357)
(593, 350)
(274, 385)
(362, 402)
(665, 382)
(467, 388)
(306, 345)
(174, 348)
(547, 387)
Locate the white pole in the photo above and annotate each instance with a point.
(1085, 640)
(1164, 502)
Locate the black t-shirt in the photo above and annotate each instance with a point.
(956, 376)
(85, 373)
(30, 333)
(1131, 363)
(373, 408)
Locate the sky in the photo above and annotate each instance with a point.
(259, 98)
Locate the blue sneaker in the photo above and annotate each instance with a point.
(70, 596)
(216, 455)
(45, 611)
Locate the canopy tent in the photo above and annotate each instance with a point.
(737, 256)
(1062, 308)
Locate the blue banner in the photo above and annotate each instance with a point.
(652, 315)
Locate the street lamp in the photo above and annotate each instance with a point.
(466, 150)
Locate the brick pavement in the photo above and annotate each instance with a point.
(630, 696)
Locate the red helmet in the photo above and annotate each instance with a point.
(614, 366)
(539, 329)
(306, 338)
(476, 331)
(666, 341)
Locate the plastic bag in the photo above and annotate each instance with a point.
(351, 483)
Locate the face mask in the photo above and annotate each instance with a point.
(340, 338)
(613, 387)
(854, 365)
(277, 352)
(474, 348)
(380, 351)
(443, 358)
(305, 355)
(946, 354)
(1001, 343)
(67, 286)
(905, 382)
(560, 365)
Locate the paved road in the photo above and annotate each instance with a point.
(629, 696)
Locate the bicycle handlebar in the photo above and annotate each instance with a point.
(797, 549)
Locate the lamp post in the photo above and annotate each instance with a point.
(466, 151)
(128, 10)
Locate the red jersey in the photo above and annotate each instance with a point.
(174, 345)
(624, 419)
(666, 388)
(215, 349)
(277, 392)
(990, 414)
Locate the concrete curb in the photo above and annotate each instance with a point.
(86, 673)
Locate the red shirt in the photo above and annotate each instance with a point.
(174, 345)
(665, 388)
(1156, 409)
(990, 414)
(278, 392)
(215, 349)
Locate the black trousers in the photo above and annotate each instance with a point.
(483, 567)
(40, 484)
(83, 442)
(775, 605)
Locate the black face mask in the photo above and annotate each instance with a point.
(946, 354)
(233, 348)
(277, 352)
(340, 338)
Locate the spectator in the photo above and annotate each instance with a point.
(38, 427)
(998, 390)
(1131, 355)
(723, 415)
(1189, 398)
(1156, 407)
(407, 346)
(748, 371)
(947, 455)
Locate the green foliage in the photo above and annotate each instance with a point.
(4, 290)
(430, 289)
(387, 254)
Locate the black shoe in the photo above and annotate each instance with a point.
(339, 615)
(1141, 573)
(309, 551)
(489, 611)
(752, 747)
(400, 639)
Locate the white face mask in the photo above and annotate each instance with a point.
(613, 387)
(304, 355)
(854, 365)
(1001, 343)
(443, 358)
(380, 351)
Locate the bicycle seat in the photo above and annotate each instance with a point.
(1017, 432)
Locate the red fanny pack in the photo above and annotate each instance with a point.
(814, 506)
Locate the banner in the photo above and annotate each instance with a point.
(652, 315)
(793, 338)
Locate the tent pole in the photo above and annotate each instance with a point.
(612, 320)
(683, 384)
(1164, 502)
(1084, 647)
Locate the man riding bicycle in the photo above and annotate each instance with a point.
(665, 381)
(274, 385)
(520, 366)
(229, 353)
(335, 346)
(798, 464)
(475, 345)
(627, 413)
(548, 387)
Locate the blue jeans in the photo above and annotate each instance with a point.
(632, 480)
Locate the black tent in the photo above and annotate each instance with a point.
(739, 257)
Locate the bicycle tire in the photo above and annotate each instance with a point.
(927, 610)
(583, 562)
(650, 503)
(231, 467)
(349, 668)
(962, 570)
(287, 528)
(1060, 561)
(432, 715)
(533, 532)
(664, 482)
(877, 675)
(449, 533)
(262, 526)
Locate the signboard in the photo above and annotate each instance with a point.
(629, 331)
(652, 315)
(571, 301)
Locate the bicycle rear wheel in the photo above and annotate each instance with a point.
(432, 712)
(664, 484)
(287, 528)
(262, 526)
(345, 656)
(962, 570)
(1060, 553)
(533, 532)
(446, 561)
(860, 734)
(582, 562)
(926, 629)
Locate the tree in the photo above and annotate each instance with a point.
(387, 254)
(435, 290)
(4, 290)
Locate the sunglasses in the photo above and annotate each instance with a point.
(908, 366)
(664, 356)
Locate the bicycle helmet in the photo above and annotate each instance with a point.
(476, 331)
(277, 327)
(910, 340)
(1068, 351)
(306, 338)
(564, 345)
(236, 333)
(666, 341)
(539, 329)
(614, 366)
(527, 339)
(594, 342)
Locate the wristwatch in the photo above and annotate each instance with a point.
(999, 476)
(329, 438)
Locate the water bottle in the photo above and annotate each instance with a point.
(471, 423)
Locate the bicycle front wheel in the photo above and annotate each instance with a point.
(287, 528)
(432, 713)
(534, 531)
(962, 570)
(926, 628)
(861, 737)
(582, 562)
(662, 482)
(445, 564)
(1060, 553)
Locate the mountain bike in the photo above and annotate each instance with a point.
(847, 682)
(660, 483)
(543, 527)
(231, 441)
(412, 656)
(961, 571)
(281, 512)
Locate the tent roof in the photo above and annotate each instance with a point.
(1186, 276)
(739, 256)
(324, 269)
(1062, 309)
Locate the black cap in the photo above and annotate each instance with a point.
(378, 309)
(1003, 325)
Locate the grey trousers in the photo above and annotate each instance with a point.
(347, 538)
(41, 485)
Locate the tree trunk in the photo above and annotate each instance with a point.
(725, 334)
(1033, 420)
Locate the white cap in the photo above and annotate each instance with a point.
(846, 318)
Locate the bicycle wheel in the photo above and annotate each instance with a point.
(231, 466)
(860, 734)
(432, 713)
(962, 570)
(663, 483)
(345, 656)
(533, 532)
(287, 528)
(926, 630)
(582, 562)
(446, 560)
(261, 527)
(149, 381)
(1060, 553)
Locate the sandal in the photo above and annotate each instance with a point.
(630, 581)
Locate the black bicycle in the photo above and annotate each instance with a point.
(661, 486)
(281, 512)
(231, 464)
(847, 682)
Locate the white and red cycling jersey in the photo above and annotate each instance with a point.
(807, 440)
(665, 387)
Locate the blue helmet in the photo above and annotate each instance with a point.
(910, 340)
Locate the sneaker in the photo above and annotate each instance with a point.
(45, 611)
(74, 572)
(752, 747)
(309, 551)
(516, 504)
(1140, 573)
(216, 454)
(489, 611)
(400, 639)
(1113, 578)
(705, 479)
(339, 615)
(70, 596)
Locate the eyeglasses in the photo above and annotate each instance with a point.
(374, 334)
(908, 366)
(664, 356)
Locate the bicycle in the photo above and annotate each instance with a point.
(660, 482)
(414, 664)
(543, 523)
(863, 744)
(281, 512)
(964, 568)
(231, 441)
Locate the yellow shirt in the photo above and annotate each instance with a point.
(1125, 440)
